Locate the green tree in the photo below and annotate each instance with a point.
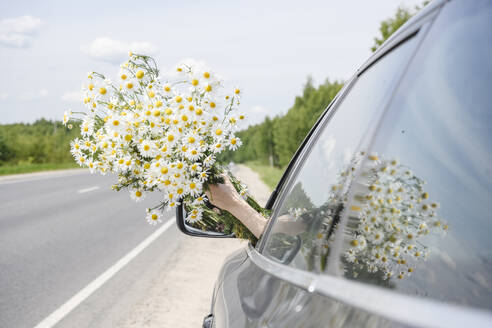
(43, 141)
(390, 25)
(6, 152)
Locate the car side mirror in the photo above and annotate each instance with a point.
(209, 228)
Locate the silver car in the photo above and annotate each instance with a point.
(383, 217)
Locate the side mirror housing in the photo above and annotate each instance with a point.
(198, 231)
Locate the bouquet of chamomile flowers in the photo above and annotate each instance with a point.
(161, 135)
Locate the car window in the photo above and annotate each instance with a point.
(305, 219)
(420, 215)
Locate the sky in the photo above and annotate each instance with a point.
(268, 48)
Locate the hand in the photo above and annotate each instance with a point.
(223, 195)
(226, 197)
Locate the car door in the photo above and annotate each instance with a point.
(249, 295)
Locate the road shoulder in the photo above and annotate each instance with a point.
(180, 295)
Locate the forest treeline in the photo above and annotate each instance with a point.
(43, 141)
(271, 142)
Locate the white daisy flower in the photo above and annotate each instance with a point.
(200, 200)
(376, 237)
(137, 194)
(234, 143)
(153, 217)
(147, 148)
(194, 215)
(66, 116)
(81, 159)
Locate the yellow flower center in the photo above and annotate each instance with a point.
(129, 85)
(194, 82)
(178, 99)
(170, 138)
(102, 91)
(123, 76)
(206, 75)
(140, 74)
(208, 88)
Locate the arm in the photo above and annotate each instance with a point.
(226, 197)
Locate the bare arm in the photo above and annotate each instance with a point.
(226, 197)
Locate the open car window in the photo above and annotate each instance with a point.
(306, 217)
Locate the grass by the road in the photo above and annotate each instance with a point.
(29, 168)
(270, 175)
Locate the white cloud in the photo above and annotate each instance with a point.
(75, 96)
(114, 51)
(19, 32)
(259, 110)
(43, 93)
(3, 95)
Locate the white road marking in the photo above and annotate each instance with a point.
(94, 285)
(81, 191)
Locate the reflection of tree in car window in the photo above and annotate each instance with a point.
(298, 201)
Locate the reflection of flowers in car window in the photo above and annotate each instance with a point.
(392, 213)
(296, 212)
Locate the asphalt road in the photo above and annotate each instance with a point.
(58, 232)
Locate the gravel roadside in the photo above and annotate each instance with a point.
(180, 295)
